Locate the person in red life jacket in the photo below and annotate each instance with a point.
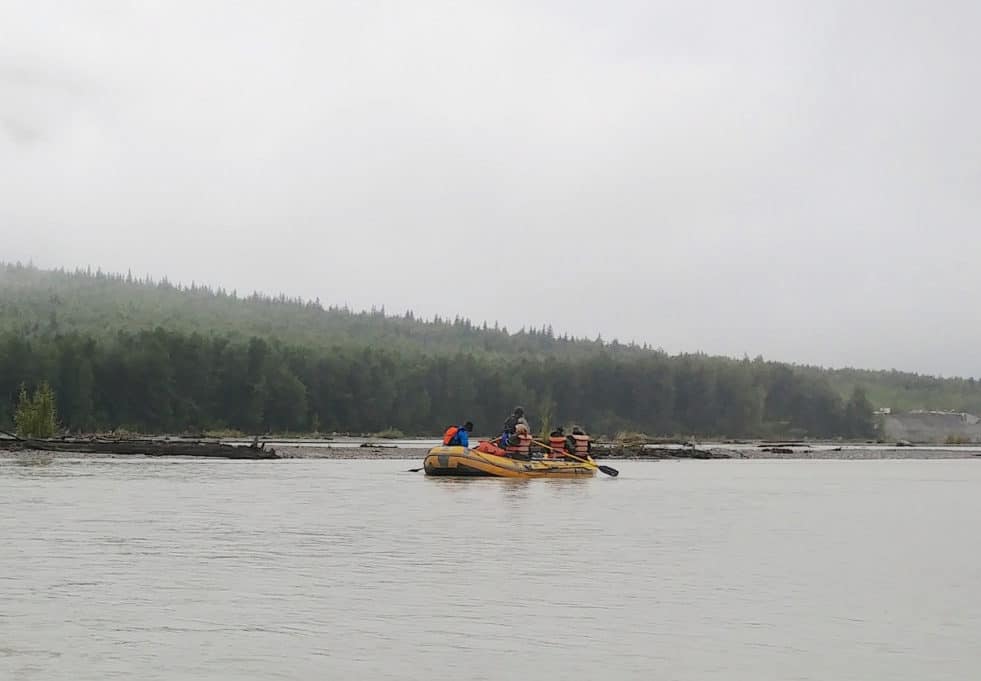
(556, 443)
(516, 419)
(578, 444)
(458, 436)
(519, 443)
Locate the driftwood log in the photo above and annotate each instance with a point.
(141, 448)
(626, 452)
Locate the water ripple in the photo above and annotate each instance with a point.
(343, 569)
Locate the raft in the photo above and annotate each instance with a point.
(463, 462)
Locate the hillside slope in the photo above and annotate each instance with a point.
(161, 358)
(55, 301)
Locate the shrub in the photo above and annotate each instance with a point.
(35, 415)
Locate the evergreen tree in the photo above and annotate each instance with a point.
(859, 415)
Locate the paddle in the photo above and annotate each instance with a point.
(416, 470)
(612, 472)
(11, 435)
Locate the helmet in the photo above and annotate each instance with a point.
(519, 411)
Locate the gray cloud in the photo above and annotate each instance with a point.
(792, 179)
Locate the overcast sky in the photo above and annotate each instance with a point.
(800, 180)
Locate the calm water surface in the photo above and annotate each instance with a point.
(148, 569)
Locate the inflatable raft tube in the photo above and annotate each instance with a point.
(463, 462)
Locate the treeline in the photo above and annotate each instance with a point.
(904, 391)
(38, 302)
(257, 363)
(164, 381)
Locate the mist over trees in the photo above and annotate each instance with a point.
(147, 356)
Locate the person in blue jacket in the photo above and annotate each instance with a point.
(462, 436)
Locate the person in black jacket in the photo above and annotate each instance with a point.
(511, 424)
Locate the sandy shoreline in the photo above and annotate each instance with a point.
(381, 453)
(715, 453)
(721, 452)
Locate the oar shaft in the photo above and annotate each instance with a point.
(609, 470)
(563, 452)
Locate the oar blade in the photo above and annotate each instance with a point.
(612, 472)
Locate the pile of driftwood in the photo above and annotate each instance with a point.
(140, 447)
(616, 450)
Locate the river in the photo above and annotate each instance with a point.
(320, 569)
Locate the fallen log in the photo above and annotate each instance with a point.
(656, 453)
(216, 450)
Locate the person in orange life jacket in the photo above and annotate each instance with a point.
(458, 436)
(513, 421)
(556, 443)
(519, 443)
(578, 444)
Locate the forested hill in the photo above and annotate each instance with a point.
(43, 302)
(155, 357)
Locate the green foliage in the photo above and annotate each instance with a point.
(859, 415)
(35, 414)
(161, 358)
(545, 410)
(38, 302)
(903, 391)
(167, 381)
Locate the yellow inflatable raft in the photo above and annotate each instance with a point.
(460, 461)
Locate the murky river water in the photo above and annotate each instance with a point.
(148, 569)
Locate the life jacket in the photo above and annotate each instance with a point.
(488, 448)
(582, 445)
(519, 444)
(450, 434)
(557, 443)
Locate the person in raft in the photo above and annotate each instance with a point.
(578, 444)
(458, 436)
(556, 443)
(516, 418)
(519, 444)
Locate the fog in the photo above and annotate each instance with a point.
(797, 180)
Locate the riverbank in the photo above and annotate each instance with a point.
(415, 449)
(309, 450)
